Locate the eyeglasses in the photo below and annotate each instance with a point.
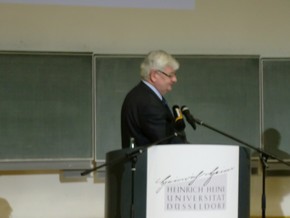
(167, 75)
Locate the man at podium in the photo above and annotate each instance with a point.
(145, 115)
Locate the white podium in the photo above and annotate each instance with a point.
(179, 181)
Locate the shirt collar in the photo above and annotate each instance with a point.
(153, 89)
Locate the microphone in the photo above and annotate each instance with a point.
(188, 116)
(179, 122)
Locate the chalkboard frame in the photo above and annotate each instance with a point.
(273, 111)
(83, 163)
(58, 163)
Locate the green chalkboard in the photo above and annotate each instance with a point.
(276, 104)
(223, 91)
(45, 106)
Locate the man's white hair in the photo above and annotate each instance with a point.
(157, 60)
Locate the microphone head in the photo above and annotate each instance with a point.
(176, 112)
(179, 122)
(184, 108)
(175, 108)
(188, 116)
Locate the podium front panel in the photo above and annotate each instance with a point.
(184, 181)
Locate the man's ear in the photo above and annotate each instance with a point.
(152, 76)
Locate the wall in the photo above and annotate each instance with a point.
(46, 194)
(213, 27)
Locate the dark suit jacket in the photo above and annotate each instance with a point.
(146, 118)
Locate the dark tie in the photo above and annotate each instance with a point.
(165, 103)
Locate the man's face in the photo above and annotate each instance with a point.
(163, 80)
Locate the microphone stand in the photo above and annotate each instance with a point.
(130, 155)
(133, 157)
(263, 158)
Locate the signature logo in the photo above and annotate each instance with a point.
(208, 176)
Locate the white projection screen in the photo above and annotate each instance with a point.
(161, 4)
